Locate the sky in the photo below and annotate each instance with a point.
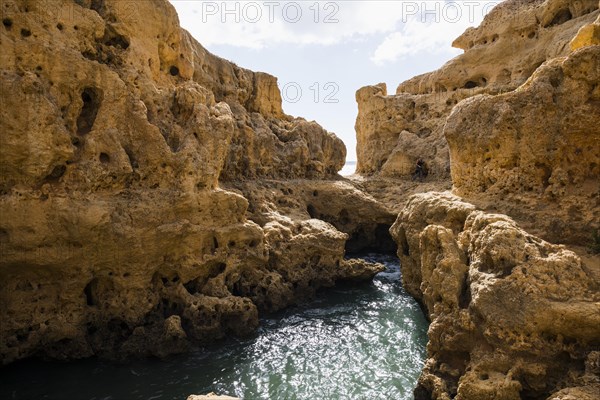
(324, 51)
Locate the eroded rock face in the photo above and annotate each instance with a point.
(365, 220)
(536, 146)
(395, 131)
(116, 127)
(512, 316)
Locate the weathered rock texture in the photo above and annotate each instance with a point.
(515, 120)
(537, 147)
(340, 203)
(512, 316)
(115, 238)
(395, 131)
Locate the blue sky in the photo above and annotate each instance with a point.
(323, 51)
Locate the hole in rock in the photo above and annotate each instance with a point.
(59, 26)
(7, 22)
(310, 209)
(560, 18)
(371, 238)
(89, 110)
(25, 32)
(464, 298)
(114, 39)
(98, 6)
(421, 171)
(424, 132)
(90, 291)
(132, 160)
(470, 85)
(56, 173)
(104, 158)
(174, 70)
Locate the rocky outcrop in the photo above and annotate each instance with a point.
(512, 316)
(516, 37)
(536, 147)
(365, 220)
(116, 130)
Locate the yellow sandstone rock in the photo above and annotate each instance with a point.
(117, 131)
(588, 35)
(395, 131)
(511, 316)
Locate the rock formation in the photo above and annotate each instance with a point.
(512, 316)
(115, 236)
(536, 148)
(516, 37)
(154, 196)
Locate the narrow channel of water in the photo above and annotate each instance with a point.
(352, 342)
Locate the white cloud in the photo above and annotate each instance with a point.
(431, 29)
(258, 24)
(405, 28)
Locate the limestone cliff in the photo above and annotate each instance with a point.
(516, 37)
(512, 316)
(115, 236)
(535, 152)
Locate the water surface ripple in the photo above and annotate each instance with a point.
(352, 342)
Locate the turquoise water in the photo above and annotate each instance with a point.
(353, 342)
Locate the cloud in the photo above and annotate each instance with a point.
(402, 28)
(259, 24)
(431, 28)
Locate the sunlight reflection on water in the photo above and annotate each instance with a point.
(352, 342)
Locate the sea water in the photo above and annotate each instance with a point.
(362, 341)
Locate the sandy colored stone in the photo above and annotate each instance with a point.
(588, 35)
(511, 315)
(578, 393)
(515, 38)
(340, 203)
(117, 129)
(536, 147)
